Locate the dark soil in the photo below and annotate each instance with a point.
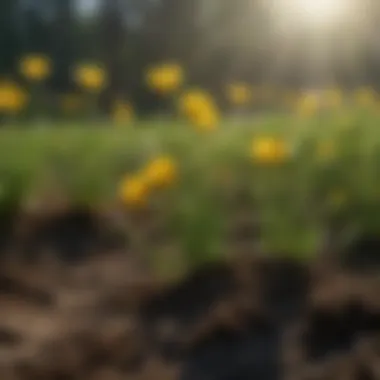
(90, 310)
(363, 255)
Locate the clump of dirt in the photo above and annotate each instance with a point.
(69, 233)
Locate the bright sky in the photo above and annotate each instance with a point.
(86, 6)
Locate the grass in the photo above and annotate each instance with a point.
(297, 202)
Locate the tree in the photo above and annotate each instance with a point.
(10, 43)
(63, 50)
(113, 36)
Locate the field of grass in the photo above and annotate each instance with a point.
(328, 180)
(278, 195)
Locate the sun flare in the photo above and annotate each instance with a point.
(323, 10)
(315, 12)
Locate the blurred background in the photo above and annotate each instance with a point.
(288, 43)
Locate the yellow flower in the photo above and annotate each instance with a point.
(193, 100)
(160, 172)
(122, 112)
(12, 97)
(92, 77)
(307, 105)
(239, 94)
(134, 192)
(269, 150)
(200, 109)
(205, 119)
(165, 78)
(36, 67)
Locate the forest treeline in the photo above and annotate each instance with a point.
(214, 40)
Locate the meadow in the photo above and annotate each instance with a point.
(242, 234)
(245, 230)
(300, 182)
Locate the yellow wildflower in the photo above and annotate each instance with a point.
(269, 150)
(205, 119)
(92, 77)
(134, 192)
(165, 78)
(160, 172)
(35, 67)
(12, 97)
(199, 107)
(239, 94)
(193, 100)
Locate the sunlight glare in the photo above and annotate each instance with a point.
(315, 12)
(323, 10)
